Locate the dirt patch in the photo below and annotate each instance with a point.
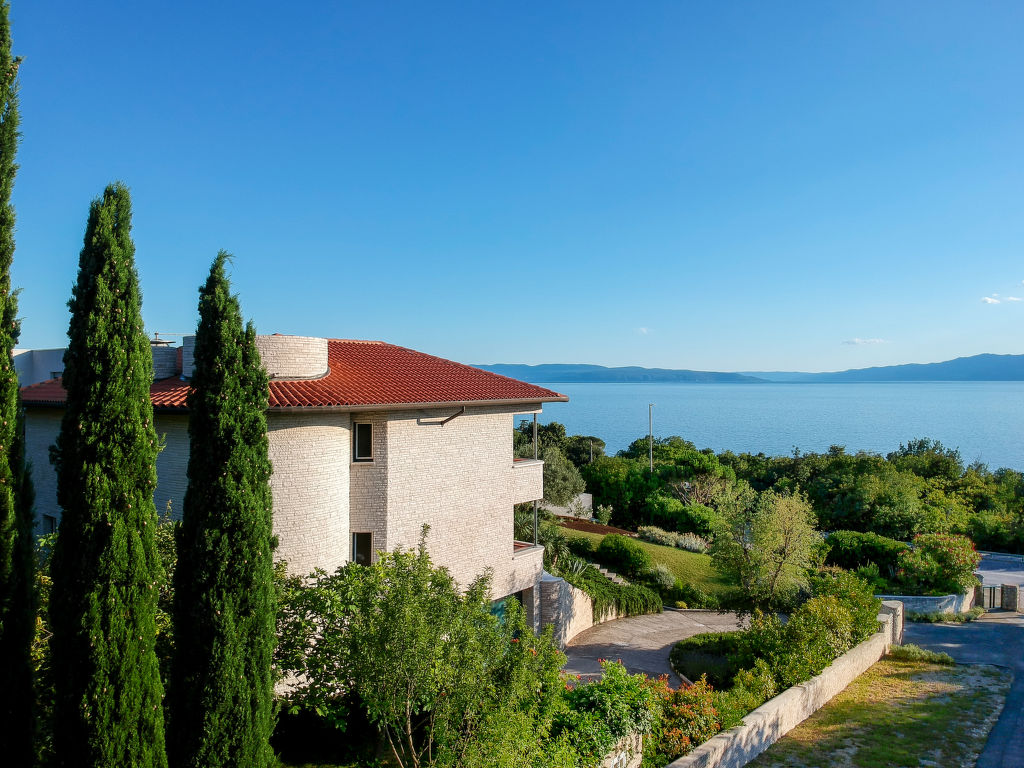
(589, 527)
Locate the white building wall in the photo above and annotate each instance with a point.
(458, 479)
(42, 425)
(310, 454)
(369, 484)
(171, 463)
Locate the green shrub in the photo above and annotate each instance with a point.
(581, 547)
(690, 542)
(712, 654)
(609, 597)
(660, 577)
(911, 652)
(939, 562)
(937, 617)
(693, 596)
(688, 718)
(624, 554)
(596, 715)
(816, 634)
(855, 595)
(603, 514)
(853, 549)
(751, 688)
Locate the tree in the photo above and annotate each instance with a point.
(108, 709)
(17, 559)
(562, 481)
(444, 680)
(221, 688)
(767, 542)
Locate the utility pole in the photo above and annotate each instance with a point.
(650, 433)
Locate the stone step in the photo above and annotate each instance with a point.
(611, 575)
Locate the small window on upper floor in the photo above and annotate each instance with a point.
(49, 524)
(362, 442)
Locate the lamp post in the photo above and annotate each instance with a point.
(650, 434)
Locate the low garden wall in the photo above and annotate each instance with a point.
(776, 717)
(568, 609)
(628, 753)
(940, 604)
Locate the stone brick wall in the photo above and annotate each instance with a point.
(1010, 599)
(940, 604)
(165, 361)
(369, 484)
(458, 478)
(568, 609)
(42, 425)
(527, 480)
(171, 463)
(293, 357)
(310, 454)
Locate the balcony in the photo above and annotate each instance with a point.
(527, 480)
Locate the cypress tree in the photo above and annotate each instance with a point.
(107, 706)
(221, 688)
(17, 559)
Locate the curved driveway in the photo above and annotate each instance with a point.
(642, 643)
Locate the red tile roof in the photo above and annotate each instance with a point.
(362, 374)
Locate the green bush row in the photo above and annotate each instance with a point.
(609, 597)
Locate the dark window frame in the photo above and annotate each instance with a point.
(357, 444)
(368, 554)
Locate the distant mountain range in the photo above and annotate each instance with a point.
(974, 368)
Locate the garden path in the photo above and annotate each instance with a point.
(642, 643)
(996, 638)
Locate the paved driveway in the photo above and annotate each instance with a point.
(642, 643)
(1002, 569)
(996, 638)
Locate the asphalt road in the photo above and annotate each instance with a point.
(641, 643)
(996, 638)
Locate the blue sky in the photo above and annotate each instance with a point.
(719, 186)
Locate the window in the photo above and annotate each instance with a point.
(362, 548)
(49, 524)
(362, 442)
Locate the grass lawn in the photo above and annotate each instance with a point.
(898, 713)
(689, 566)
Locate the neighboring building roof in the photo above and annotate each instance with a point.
(362, 375)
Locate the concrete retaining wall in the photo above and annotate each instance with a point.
(941, 604)
(568, 609)
(776, 717)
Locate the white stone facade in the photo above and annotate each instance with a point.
(450, 468)
(460, 479)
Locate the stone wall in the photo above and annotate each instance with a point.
(171, 463)
(941, 604)
(1012, 599)
(310, 454)
(894, 609)
(293, 357)
(457, 478)
(165, 361)
(568, 609)
(369, 485)
(628, 753)
(42, 425)
(527, 480)
(776, 717)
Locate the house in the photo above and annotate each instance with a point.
(368, 442)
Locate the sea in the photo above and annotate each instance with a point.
(984, 420)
